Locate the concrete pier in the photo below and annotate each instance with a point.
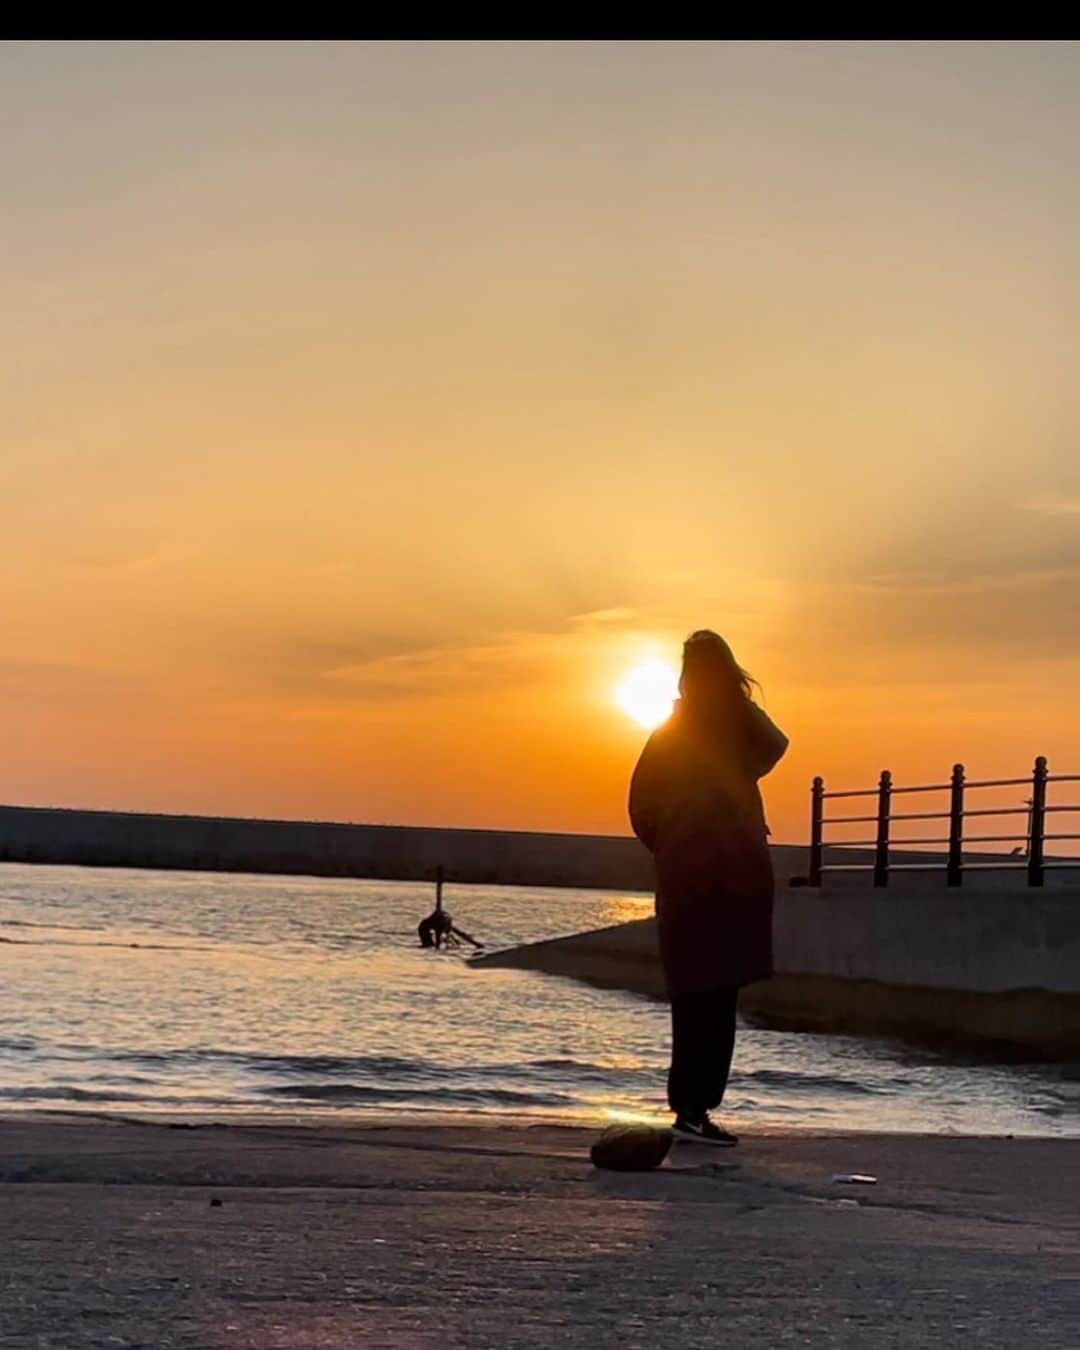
(993, 966)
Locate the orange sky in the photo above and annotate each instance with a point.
(370, 409)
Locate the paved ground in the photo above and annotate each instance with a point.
(447, 1237)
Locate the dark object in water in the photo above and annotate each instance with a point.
(631, 1148)
(456, 932)
(438, 929)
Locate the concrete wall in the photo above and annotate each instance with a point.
(313, 848)
(993, 965)
(984, 937)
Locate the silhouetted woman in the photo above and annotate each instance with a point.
(695, 804)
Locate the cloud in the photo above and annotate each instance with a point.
(1058, 506)
(383, 663)
(126, 564)
(936, 627)
(604, 617)
(70, 682)
(516, 658)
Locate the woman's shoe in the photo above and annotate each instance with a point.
(702, 1130)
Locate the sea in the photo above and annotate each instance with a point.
(201, 995)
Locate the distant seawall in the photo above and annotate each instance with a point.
(326, 849)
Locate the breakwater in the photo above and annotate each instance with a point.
(322, 848)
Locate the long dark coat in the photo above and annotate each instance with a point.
(695, 804)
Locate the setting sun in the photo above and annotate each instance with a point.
(647, 692)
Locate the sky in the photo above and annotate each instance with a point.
(370, 409)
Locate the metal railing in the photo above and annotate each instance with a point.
(1032, 854)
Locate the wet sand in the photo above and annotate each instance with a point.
(493, 1235)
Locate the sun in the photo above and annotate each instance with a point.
(647, 692)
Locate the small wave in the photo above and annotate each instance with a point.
(357, 1094)
(818, 1084)
(751, 1106)
(565, 1065)
(298, 1064)
(332, 1064)
(1054, 1105)
(127, 946)
(67, 1093)
(58, 927)
(560, 1075)
(384, 1066)
(18, 1043)
(124, 1079)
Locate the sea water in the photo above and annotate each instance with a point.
(201, 994)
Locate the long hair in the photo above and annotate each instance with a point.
(708, 663)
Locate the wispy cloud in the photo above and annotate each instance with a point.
(941, 628)
(1055, 506)
(604, 617)
(515, 658)
(410, 661)
(68, 681)
(923, 583)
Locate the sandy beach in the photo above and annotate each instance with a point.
(473, 1235)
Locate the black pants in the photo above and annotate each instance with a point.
(702, 1043)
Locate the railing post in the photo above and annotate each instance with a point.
(881, 851)
(955, 868)
(1038, 823)
(817, 815)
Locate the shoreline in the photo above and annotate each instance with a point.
(462, 1237)
(441, 1117)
